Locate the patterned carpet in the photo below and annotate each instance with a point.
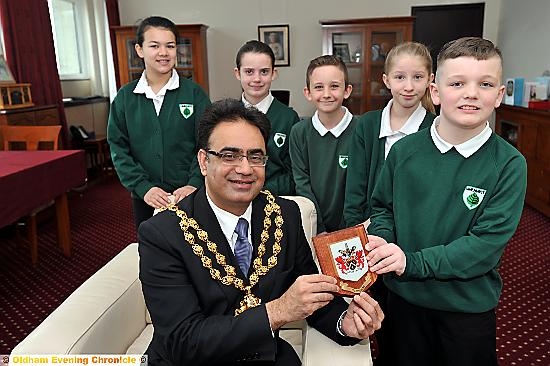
(102, 225)
(523, 336)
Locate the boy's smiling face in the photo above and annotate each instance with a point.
(468, 91)
(327, 89)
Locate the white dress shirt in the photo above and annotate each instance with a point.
(412, 124)
(143, 87)
(467, 148)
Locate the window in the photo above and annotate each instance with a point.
(68, 35)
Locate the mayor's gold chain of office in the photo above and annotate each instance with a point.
(250, 300)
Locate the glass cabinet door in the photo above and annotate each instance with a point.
(135, 63)
(349, 46)
(381, 42)
(184, 58)
(363, 44)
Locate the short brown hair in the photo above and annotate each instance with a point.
(478, 48)
(327, 60)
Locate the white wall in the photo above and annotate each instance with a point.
(523, 33)
(234, 22)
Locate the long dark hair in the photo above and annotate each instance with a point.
(155, 22)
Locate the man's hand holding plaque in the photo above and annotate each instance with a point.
(342, 255)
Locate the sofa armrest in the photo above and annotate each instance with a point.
(104, 315)
(319, 350)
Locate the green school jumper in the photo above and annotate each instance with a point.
(452, 217)
(365, 164)
(150, 150)
(319, 166)
(278, 171)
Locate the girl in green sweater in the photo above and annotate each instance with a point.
(152, 122)
(408, 74)
(256, 70)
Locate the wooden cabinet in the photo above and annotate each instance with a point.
(363, 45)
(46, 115)
(529, 131)
(191, 60)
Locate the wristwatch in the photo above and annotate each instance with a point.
(339, 325)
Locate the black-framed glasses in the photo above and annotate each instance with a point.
(232, 158)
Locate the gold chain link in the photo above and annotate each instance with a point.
(250, 300)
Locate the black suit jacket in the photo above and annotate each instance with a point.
(193, 315)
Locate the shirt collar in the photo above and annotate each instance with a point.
(337, 130)
(412, 124)
(467, 148)
(264, 104)
(228, 221)
(142, 86)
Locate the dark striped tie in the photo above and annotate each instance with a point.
(243, 249)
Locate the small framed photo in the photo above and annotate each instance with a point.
(6, 76)
(184, 55)
(342, 50)
(276, 37)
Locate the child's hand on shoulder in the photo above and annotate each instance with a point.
(385, 257)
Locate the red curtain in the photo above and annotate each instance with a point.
(30, 52)
(113, 16)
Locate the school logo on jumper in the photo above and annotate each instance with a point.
(186, 110)
(472, 196)
(343, 161)
(279, 139)
(349, 259)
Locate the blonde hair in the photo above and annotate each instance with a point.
(413, 49)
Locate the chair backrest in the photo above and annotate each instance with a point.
(309, 219)
(31, 135)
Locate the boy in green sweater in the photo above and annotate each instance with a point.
(447, 202)
(319, 146)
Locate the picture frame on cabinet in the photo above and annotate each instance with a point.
(341, 50)
(277, 37)
(134, 61)
(184, 54)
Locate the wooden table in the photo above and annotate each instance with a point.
(31, 179)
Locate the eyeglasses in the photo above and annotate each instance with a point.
(234, 159)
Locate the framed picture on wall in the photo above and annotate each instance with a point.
(276, 37)
(6, 76)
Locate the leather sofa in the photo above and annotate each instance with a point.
(107, 315)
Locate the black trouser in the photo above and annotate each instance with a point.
(430, 337)
(385, 354)
(142, 211)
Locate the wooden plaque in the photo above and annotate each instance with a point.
(342, 255)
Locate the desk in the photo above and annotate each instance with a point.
(30, 179)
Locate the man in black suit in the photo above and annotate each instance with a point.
(218, 293)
